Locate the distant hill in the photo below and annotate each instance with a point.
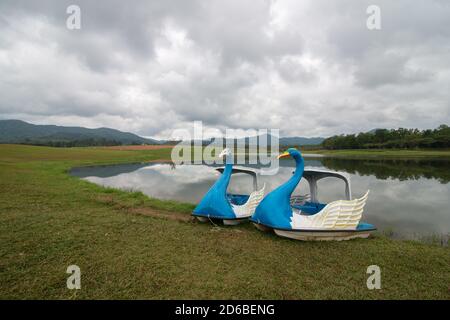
(266, 139)
(17, 131)
(287, 141)
(300, 141)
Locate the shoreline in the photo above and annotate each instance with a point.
(382, 153)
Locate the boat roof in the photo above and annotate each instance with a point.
(308, 172)
(245, 170)
(239, 170)
(312, 175)
(323, 173)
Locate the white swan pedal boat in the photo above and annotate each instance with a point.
(304, 217)
(231, 209)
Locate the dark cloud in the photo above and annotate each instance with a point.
(309, 68)
(381, 68)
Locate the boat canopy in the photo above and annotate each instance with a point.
(243, 170)
(314, 175)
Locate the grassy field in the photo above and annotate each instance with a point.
(384, 153)
(130, 246)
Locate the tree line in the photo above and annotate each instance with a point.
(88, 142)
(392, 138)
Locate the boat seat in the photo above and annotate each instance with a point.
(237, 199)
(309, 208)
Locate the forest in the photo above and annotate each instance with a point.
(392, 139)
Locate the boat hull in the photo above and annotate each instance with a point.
(322, 236)
(202, 219)
(317, 235)
(234, 222)
(226, 222)
(262, 227)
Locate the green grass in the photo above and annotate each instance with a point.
(130, 246)
(384, 153)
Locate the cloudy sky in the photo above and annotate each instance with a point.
(306, 67)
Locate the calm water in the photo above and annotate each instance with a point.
(408, 198)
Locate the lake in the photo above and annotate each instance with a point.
(408, 199)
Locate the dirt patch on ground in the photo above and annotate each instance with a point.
(162, 214)
(149, 147)
(146, 211)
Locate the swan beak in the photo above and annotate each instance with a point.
(283, 155)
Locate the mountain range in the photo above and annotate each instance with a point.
(283, 141)
(18, 131)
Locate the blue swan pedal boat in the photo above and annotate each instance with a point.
(301, 219)
(232, 209)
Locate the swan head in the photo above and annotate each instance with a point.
(225, 153)
(291, 152)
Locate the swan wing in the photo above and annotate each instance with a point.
(248, 208)
(340, 214)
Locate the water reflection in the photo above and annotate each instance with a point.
(410, 198)
(399, 169)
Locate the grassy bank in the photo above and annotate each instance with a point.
(382, 153)
(130, 246)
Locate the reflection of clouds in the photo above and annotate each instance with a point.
(412, 206)
(185, 173)
(185, 183)
(407, 206)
